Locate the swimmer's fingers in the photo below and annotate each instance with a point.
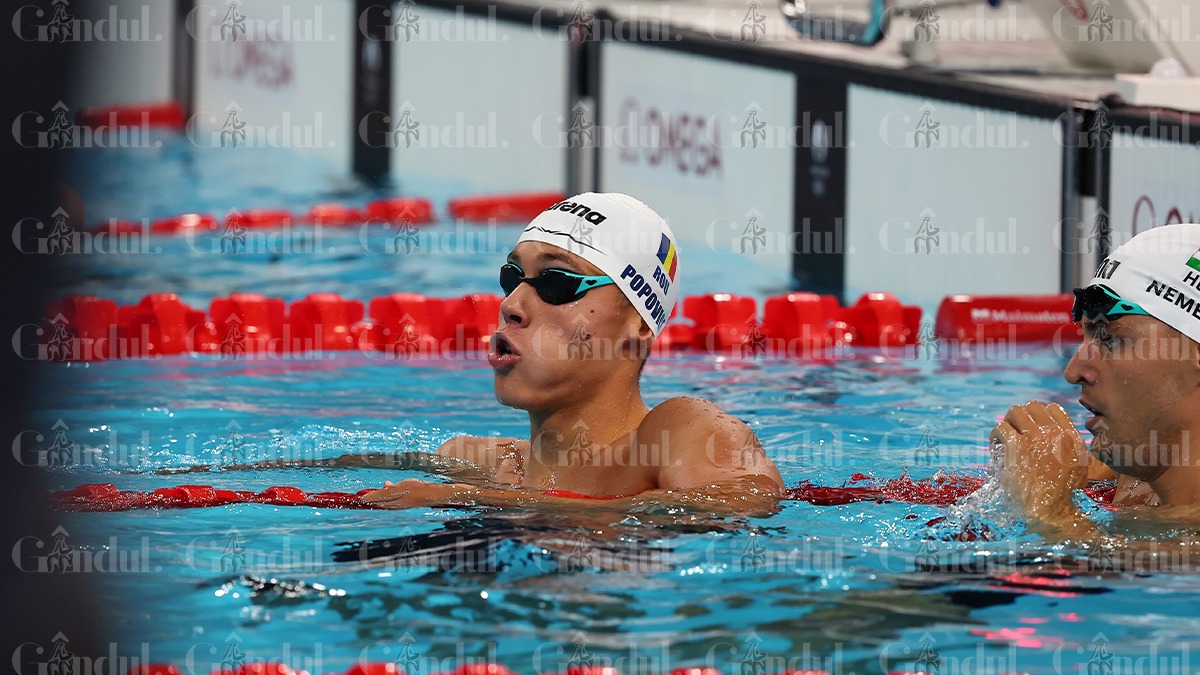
(1019, 418)
(1073, 440)
(1009, 440)
(1012, 459)
(1041, 416)
(391, 494)
(1060, 416)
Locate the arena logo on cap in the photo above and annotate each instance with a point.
(581, 210)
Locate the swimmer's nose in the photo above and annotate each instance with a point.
(513, 309)
(1077, 370)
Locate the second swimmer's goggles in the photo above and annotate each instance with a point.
(555, 287)
(1098, 300)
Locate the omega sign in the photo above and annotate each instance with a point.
(1147, 215)
(671, 140)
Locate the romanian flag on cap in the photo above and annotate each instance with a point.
(666, 256)
(1193, 262)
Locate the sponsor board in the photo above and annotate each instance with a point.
(711, 146)
(274, 74)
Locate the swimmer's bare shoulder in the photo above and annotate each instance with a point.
(505, 456)
(704, 445)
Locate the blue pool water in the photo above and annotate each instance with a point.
(863, 588)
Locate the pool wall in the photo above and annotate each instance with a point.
(839, 170)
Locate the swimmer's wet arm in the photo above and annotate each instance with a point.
(362, 460)
(747, 496)
(1043, 460)
(478, 450)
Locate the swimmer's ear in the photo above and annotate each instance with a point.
(645, 338)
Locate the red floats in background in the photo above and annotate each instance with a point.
(879, 320)
(247, 323)
(723, 320)
(515, 208)
(806, 320)
(337, 215)
(80, 328)
(469, 321)
(324, 321)
(168, 115)
(404, 324)
(160, 325)
(411, 210)
(255, 219)
(1008, 318)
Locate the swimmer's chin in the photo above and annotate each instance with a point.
(507, 399)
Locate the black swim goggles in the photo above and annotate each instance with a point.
(1095, 301)
(555, 287)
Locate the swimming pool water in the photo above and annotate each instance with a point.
(864, 588)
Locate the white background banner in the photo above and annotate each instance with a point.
(478, 104)
(710, 145)
(946, 198)
(1151, 183)
(271, 73)
(125, 48)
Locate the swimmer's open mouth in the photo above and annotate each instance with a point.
(501, 354)
(502, 346)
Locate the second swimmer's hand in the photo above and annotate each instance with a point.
(412, 492)
(1044, 459)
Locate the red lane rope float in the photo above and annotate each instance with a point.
(1011, 318)
(410, 210)
(257, 219)
(338, 215)
(940, 492)
(86, 328)
(799, 322)
(106, 496)
(411, 323)
(168, 114)
(513, 208)
(195, 222)
(173, 225)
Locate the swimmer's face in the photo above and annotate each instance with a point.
(547, 357)
(1140, 379)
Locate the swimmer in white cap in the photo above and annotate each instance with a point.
(589, 286)
(1139, 372)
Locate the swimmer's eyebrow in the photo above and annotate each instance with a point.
(545, 258)
(1090, 326)
(556, 256)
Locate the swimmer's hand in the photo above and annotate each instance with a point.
(1042, 459)
(413, 492)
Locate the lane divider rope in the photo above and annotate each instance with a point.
(90, 328)
(107, 497)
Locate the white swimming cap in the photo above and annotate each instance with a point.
(1159, 269)
(626, 239)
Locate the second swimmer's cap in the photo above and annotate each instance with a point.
(1159, 269)
(626, 239)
